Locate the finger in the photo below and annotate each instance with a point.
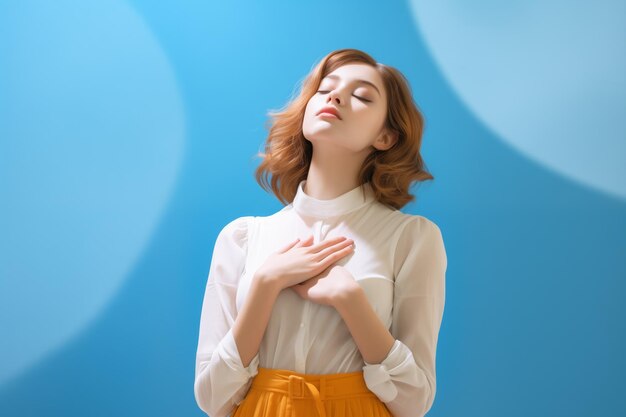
(348, 243)
(336, 256)
(297, 290)
(328, 242)
(306, 242)
(289, 246)
(306, 284)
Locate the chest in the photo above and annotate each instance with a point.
(370, 264)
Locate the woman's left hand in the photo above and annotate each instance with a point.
(327, 287)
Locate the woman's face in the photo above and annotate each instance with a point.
(362, 108)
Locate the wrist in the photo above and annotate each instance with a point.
(347, 297)
(270, 284)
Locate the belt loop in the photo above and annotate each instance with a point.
(323, 388)
(296, 386)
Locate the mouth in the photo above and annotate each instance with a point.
(328, 112)
(328, 115)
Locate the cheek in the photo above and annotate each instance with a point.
(373, 122)
(365, 128)
(312, 106)
(308, 111)
(365, 121)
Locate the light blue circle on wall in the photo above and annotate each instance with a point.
(96, 108)
(546, 77)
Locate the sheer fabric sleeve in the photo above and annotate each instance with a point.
(221, 380)
(406, 379)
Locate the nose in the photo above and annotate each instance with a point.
(334, 96)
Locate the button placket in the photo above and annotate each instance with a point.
(300, 345)
(317, 230)
(324, 228)
(299, 351)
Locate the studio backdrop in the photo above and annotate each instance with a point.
(128, 135)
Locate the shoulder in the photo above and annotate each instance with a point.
(235, 232)
(420, 245)
(420, 226)
(273, 221)
(419, 238)
(400, 220)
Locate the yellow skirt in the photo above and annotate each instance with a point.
(284, 393)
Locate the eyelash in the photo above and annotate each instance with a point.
(360, 98)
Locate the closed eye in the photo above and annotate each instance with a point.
(360, 98)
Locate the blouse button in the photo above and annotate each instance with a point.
(301, 324)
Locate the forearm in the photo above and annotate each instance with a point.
(252, 320)
(368, 331)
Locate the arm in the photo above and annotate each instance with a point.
(369, 333)
(252, 321)
(401, 370)
(228, 343)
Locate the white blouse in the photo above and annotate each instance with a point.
(400, 262)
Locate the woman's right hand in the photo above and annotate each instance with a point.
(301, 260)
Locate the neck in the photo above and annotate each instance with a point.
(332, 173)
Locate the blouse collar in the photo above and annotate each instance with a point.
(345, 203)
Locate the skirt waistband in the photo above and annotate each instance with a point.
(311, 386)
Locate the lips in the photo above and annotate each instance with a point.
(330, 110)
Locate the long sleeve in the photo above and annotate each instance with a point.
(406, 379)
(221, 380)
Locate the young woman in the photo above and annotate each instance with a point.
(331, 306)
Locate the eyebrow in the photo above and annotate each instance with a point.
(336, 77)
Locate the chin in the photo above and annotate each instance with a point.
(320, 137)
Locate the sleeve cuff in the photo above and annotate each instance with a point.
(399, 365)
(230, 354)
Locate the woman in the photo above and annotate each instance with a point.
(332, 305)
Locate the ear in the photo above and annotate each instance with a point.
(386, 140)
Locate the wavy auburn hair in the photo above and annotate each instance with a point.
(288, 153)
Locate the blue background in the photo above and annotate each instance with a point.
(128, 131)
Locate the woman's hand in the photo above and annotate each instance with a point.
(301, 260)
(328, 287)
